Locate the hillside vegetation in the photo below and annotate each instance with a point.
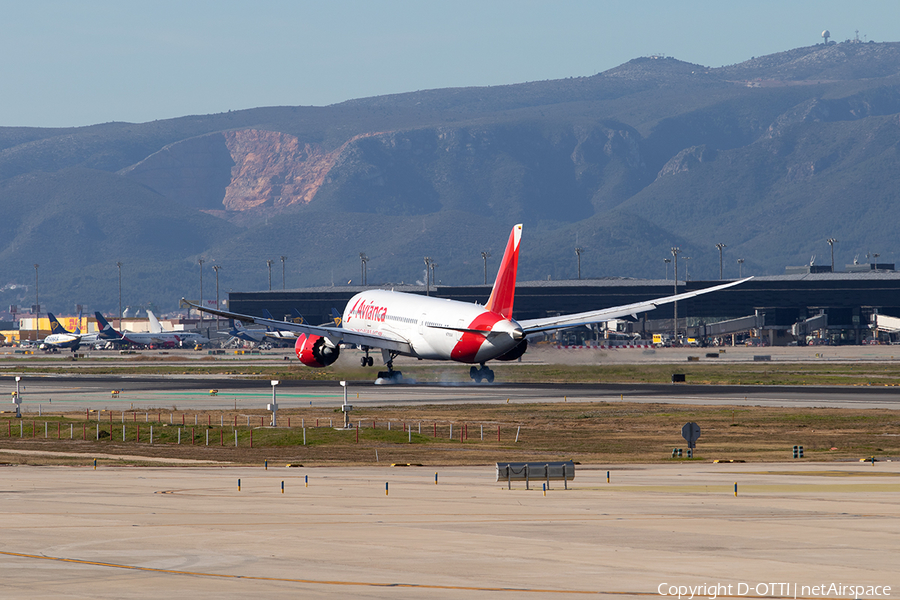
(770, 156)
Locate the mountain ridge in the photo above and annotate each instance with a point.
(770, 156)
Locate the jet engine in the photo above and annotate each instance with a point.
(517, 351)
(315, 351)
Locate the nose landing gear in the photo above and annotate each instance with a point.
(481, 373)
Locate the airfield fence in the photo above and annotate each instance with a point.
(237, 429)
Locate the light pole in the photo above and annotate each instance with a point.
(484, 257)
(119, 266)
(427, 275)
(37, 303)
(200, 262)
(433, 265)
(578, 251)
(363, 268)
(274, 406)
(720, 246)
(283, 258)
(667, 261)
(740, 262)
(687, 273)
(216, 269)
(18, 399)
(675, 252)
(831, 242)
(269, 264)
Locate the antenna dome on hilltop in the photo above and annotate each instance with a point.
(826, 34)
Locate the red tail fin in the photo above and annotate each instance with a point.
(504, 292)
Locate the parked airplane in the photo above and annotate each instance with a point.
(254, 336)
(162, 338)
(279, 336)
(403, 324)
(269, 334)
(60, 337)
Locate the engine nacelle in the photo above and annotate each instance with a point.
(315, 351)
(517, 351)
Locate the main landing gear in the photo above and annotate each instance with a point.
(366, 361)
(481, 373)
(390, 374)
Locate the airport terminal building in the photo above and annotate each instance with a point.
(845, 308)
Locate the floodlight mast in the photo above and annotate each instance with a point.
(675, 252)
(364, 268)
(200, 261)
(119, 266)
(831, 242)
(720, 246)
(216, 269)
(428, 262)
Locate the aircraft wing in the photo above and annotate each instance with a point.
(336, 335)
(530, 326)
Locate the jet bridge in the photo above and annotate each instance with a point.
(816, 323)
(735, 325)
(886, 324)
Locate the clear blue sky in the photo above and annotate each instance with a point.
(82, 62)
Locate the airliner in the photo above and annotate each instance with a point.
(60, 337)
(424, 327)
(267, 335)
(167, 338)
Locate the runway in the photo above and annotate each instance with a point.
(70, 393)
(189, 532)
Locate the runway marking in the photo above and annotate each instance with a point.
(148, 396)
(366, 583)
(822, 473)
(716, 489)
(319, 581)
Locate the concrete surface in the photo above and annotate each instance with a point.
(187, 532)
(54, 395)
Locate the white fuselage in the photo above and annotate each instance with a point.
(61, 340)
(432, 326)
(166, 337)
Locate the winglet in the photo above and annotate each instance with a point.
(504, 292)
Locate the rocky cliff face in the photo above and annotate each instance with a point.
(273, 171)
(241, 175)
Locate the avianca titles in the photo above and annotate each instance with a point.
(404, 324)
